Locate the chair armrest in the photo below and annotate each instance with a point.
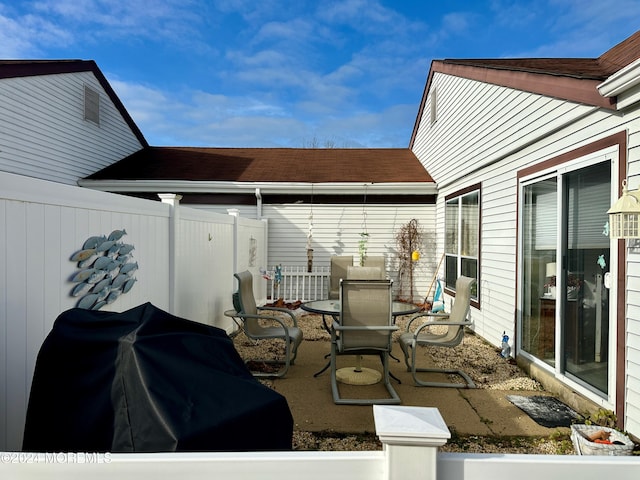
(466, 323)
(282, 310)
(425, 314)
(264, 317)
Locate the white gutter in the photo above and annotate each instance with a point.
(621, 83)
(265, 188)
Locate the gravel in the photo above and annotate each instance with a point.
(482, 361)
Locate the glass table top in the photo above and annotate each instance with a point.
(332, 307)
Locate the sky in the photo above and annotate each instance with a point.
(295, 73)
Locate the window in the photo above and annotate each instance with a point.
(462, 238)
(91, 105)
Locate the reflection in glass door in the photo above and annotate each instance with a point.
(540, 239)
(587, 196)
(565, 257)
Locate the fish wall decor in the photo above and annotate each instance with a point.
(105, 270)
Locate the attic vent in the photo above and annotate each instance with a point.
(434, 105)
(91, 105)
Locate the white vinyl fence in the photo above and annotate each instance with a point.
(186, 259)
(410, 439)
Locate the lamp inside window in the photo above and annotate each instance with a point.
(624, 215)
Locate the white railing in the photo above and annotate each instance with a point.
(295, 283)
(410, 437)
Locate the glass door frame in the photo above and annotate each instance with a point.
(559, 169)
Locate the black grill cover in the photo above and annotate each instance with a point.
(147, 381)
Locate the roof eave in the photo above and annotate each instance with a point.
(579, 90)
(621, 82)
(185, 186)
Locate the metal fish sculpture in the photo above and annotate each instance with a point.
(86, 263)
(83, 275)
(104, 246)
(113, 296)
(83, 255)
(104, 293)
(113, 273)
(111, 266)
(113, 251)
(125, 249)
(98, 305)
(93, 242)
(129, 268)
(128, 284)
(81, 289)
(87, 301)
(106, 270)
(119, 281)
(101, 285)
(117, 234)
(122, 259)
(96, 276)
(102, 262)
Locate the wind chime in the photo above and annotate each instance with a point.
(364, 235)
(310, 236)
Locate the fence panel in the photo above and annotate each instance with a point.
(186, 262)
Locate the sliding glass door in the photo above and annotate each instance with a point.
(565, 261)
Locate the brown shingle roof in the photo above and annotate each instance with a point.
(587, 68)
(308, 165)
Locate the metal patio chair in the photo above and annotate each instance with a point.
(365, 327)
(451, 329)
(256, 326)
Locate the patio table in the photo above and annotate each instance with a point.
(332, 308)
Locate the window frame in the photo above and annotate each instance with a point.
(459, 195)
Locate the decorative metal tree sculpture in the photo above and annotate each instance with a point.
(409, 242)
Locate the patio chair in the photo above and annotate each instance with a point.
(364, 273)
(256, 326)
(339, 265)
(450, 328)
(376, 261)
(365, 328)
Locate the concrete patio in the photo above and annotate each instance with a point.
(483, 411)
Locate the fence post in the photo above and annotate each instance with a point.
(410, 439)
(174, 221)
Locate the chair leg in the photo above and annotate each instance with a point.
(468, 382)
(288, 361)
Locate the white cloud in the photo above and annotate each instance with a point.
(25, 36)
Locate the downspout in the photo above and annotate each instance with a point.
(258, 204)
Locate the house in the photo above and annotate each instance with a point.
(61, 120)
(511, 168)
(528, 155)
(338, 192)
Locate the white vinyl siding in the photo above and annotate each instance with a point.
(44, 134)
(485, 134)
(632, 400)
(480, 123)
(336, 231)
